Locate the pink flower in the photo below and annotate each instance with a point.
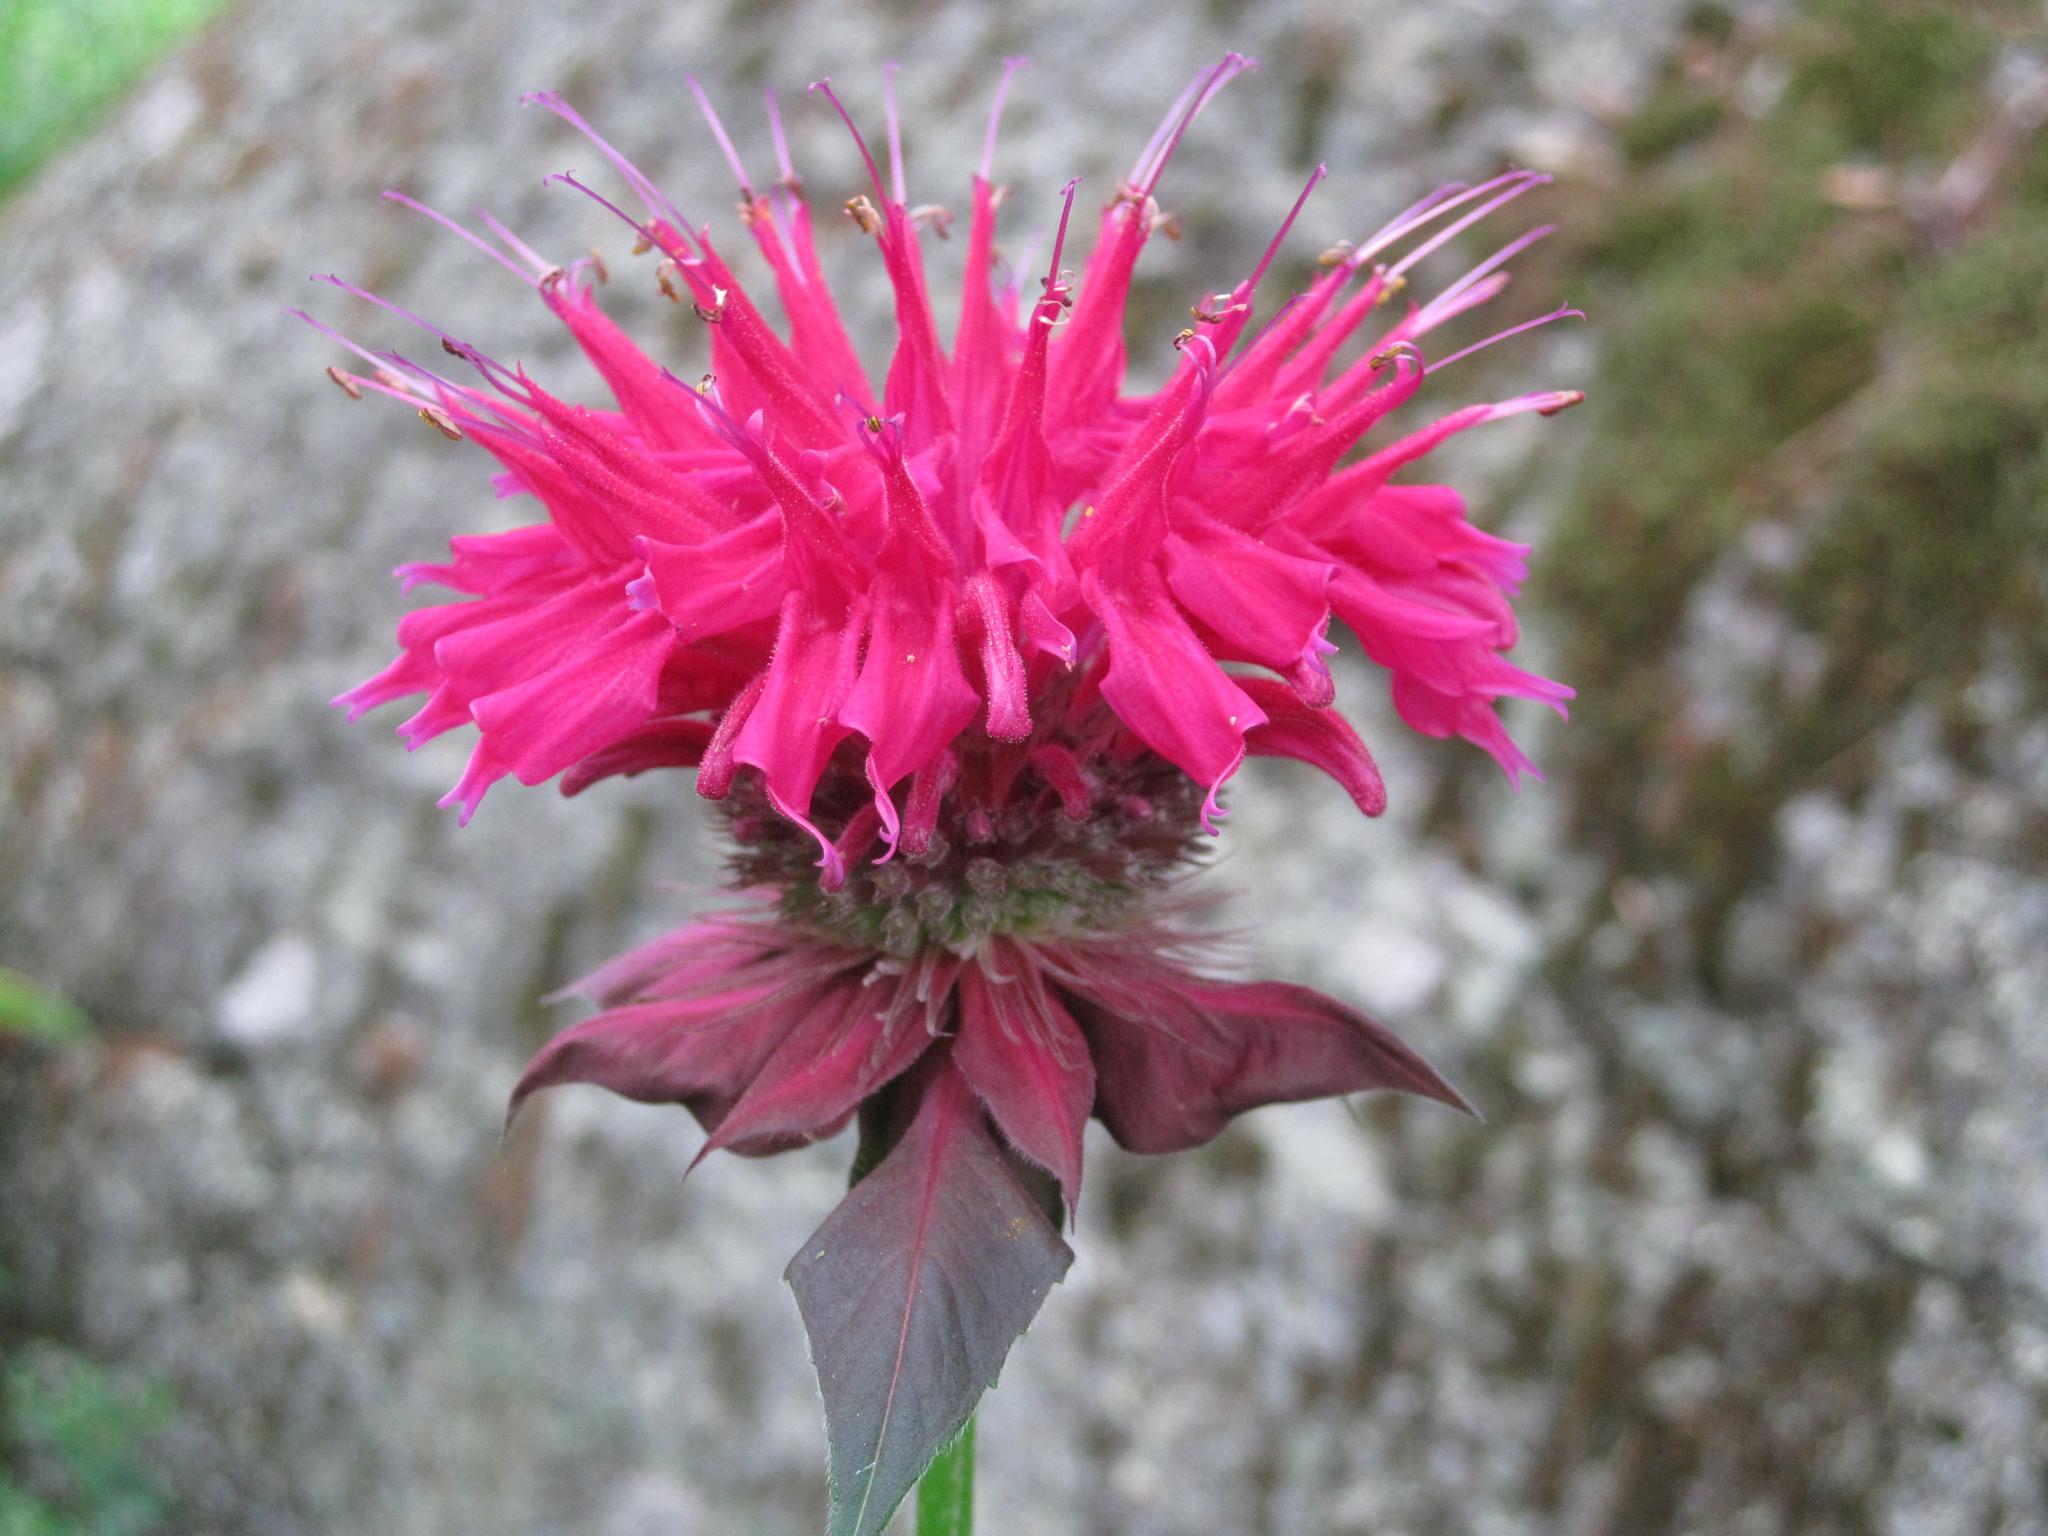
(755, 572)
(983, 646)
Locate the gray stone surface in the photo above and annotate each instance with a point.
(1766, 1261)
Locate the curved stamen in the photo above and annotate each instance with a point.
(526, 253)
(1442, 309)
(393, 195)
(1273, 249)
(1491, 265)
(568, 179)
(1055, 289)
(783, 163)
(895, 130)
(642, 186)
(1174, 114)
(1401, 228)
(1418, 207)
(1451, 231)
(385, 304)
(1564, 313)
(1232, 65)
(732, 156)
(995, 114)
(824, 88)
(381, 362)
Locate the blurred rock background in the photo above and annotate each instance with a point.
(1755, 1237)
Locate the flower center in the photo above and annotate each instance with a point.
(1021, 844)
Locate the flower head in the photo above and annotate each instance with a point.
(967, 659)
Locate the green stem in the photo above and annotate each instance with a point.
(945, 1495)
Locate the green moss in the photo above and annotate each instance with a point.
(1893, 79)
(1675, 117)
(1770, 356)
(84, 1434)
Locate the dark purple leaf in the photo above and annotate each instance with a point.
(1177, 1056)
(1026, 1058)
(700, 1051)
(912, 1293)
(841, 1051)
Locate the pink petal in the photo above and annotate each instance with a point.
(1165, 686)
(1322, 738)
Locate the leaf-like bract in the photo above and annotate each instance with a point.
(912, 1293)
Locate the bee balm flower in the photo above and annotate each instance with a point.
(967, 660)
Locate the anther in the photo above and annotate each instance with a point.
(1391, 351)
(862, 212)
(441, 422)
(1178, 342)
(344, 382)
(934, 215)
(1565, 400)
(597, 265)
(642, 246)
(1337, 255)
(661, 281)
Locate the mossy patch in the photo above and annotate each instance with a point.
(1797, 332)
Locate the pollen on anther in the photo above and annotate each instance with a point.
(863, 213)
(440, 421)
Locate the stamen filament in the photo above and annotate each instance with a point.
(995, 115)
(1273, 249)
(1232, 65)
(732, 156)
(1513, 330)
(1451, 232)
(1401, 229)
(526, 253)
(783, 163)
(394, 196)
(824, 88)
(646, 190)
(1486, 268)
(895, 130)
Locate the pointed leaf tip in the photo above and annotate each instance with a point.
(912, 1293)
